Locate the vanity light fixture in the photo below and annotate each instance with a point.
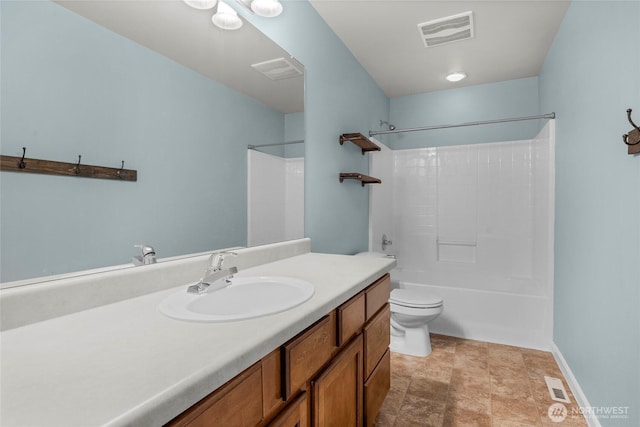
(456, 76)
(226, 18)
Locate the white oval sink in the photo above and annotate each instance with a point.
(244, 298)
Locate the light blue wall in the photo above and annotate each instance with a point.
(71, 87)
(514, 98)
(340, 97)
(590, 77)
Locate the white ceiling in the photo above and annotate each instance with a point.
(188, 36)
(511, 40)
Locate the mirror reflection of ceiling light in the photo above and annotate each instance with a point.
(456, 77)
(226, 18)
(266, 8)
(201, 4)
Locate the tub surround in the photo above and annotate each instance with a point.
(119, 361)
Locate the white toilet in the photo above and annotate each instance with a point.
(411, 312)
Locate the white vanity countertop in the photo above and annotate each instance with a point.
(127, 364)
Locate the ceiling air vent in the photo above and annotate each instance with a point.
(277, 69)
(447, 30)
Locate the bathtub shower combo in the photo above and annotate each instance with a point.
(275, 195)
(471, 227)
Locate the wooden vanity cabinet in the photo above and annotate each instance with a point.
(238, 403)
(296, 414)
(334, 373)
(337, 391)
(305, 354)
(376, 388)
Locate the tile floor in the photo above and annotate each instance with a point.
(473, 383)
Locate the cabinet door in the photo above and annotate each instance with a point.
(376, 389)
(337, 391)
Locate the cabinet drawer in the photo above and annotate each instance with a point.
(376, 339)
(294, 415)
(350, 318)
(271, 383)
(236, 404)
(377, 295)
(376, 388)
(304, 355)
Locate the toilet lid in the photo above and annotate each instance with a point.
(414, 298)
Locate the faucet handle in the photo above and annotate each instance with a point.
(148, 254)
(145, 249)
(217, 258)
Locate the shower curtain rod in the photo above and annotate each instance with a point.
(457, 125)
(251, 147)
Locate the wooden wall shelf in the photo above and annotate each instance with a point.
(49, 167)
(364, 179)
(360, 140)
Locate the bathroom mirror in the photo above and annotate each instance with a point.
(154, 84)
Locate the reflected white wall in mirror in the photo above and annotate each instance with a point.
(275, 198)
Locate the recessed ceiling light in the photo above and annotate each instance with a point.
(456, 77)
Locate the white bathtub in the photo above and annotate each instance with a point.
(523, 320)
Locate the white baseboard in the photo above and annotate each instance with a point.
(581, 398)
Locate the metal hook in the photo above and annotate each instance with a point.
(77, 168)
(625, 137)
(631, 121)
(119, 172)
(21, 163)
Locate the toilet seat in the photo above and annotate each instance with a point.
(414, 298)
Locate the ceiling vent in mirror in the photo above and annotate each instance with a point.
(278, 69)
(447, 30)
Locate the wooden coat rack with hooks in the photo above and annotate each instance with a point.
(50, 167)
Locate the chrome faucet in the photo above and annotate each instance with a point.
(147, 256)
(213, 272)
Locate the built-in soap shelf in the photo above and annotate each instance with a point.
(364, 179)
(360, 140)
(366, 145)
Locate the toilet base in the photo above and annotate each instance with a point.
(411, 341)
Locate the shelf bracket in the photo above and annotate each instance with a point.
(360, 140)
(364, 179)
